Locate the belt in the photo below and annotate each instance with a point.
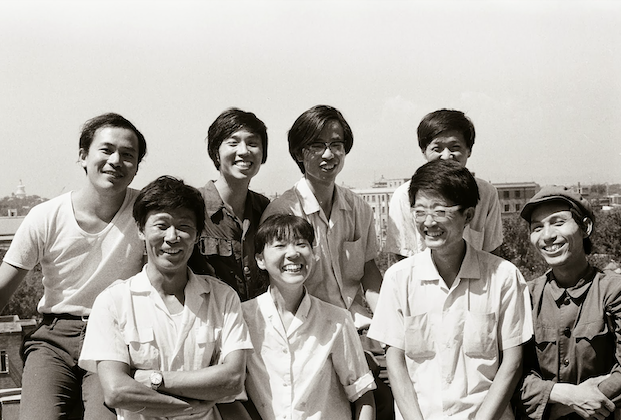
(70, 317)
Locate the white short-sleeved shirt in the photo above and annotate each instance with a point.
(343, 244)
(484, 232)
(453, 338)
(76, 265)
(131, 324)
(311, 371)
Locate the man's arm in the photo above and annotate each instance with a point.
(585, 399)
(122, 391)
(10, 279)
(503, 385)
(364, 407)
(401, 384)
(371, 282)
(210, 384)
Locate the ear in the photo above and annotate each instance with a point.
(299, 155)
(140, 233)
(260, 260)
(82, 155)
(469, 152)
(469, 213)
(587, 227)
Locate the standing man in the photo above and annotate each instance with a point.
(573, 368)
(445, 134)
(84, 241)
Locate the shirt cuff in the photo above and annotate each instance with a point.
(363, 385)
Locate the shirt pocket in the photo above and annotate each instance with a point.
(205, 343)
(352, 260)
(143, 351)
(419, 340)
(480, 337)
(593, 343)
(215, 246)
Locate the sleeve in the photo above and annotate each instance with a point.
(350, 363)
(533, 392)
(103, 339)
(27, 245)
(371, 245)
(401, 236)
(611, 387)
(493, 237)
(388, 324)
(235, 334)
(515, 320)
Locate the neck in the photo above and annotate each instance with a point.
(233, 194)
(168, 284)
(324, 193)
(448, 261)
(91, 201)
(569, 275)
(287, 300)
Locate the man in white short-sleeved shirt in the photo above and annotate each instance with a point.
(445, 134)
(454, 318)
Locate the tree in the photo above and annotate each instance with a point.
(25, 299)
(517, 249)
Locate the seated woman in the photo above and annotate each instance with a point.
(166, 342)
(572, 370)
(237, 145)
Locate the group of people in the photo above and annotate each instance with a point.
(215, 303)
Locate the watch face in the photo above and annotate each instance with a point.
(156, 380)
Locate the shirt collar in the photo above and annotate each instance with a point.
(213, 201)
(575, 292)
(310, 203)
(469, 270)
(266, 302)
(195, 286)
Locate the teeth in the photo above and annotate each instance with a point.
(292, 268)
(171, 251)
(244, 164)
(433, 234)
(553, 247)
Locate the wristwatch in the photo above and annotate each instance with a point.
(156, 380)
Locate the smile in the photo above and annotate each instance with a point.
(171, 251)
(244, 164)
(553, 248)
(292, 268)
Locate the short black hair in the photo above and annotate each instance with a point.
(90, 127)
(169, 193)
(228, 123)
(443, 120)
(282, 227)
(308, 126)
(448, 179)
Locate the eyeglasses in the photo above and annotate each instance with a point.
(438, 213)
(319, 147)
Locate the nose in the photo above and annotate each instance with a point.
(242, 148)
(327, 153)
(429, 220)
(114, 159)
(291, 251)
(171, 234)
(548, 233)
(446, 154)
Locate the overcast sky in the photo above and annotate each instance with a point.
(541, 81)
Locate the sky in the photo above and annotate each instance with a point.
(541, 80)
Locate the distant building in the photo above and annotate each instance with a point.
(20, 191)
(378, 197)
(513, 196)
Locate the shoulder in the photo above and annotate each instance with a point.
(329, 312)
(287, 202)
(51, 206)
(354, 200)
(486, 189)
(259, 200)
(497, 267)
(402, 190)
(610, 281)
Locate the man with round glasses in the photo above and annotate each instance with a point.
(343, 222)
(453, 318)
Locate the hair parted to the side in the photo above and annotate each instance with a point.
(448, 179)
(90, 127)
(308, 126)
(228, 123)
(169, 193)
(282, 227)
(443, 120)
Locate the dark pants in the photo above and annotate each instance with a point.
(53, 386)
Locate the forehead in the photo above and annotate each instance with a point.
(180, 213)
(427, 198)
(450, 137)
(119, 136)
(549, 209)
(332, 130)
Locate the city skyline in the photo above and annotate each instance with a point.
(538, 79)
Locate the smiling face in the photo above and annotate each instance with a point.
(288, 262)
(322, 166)
(442, 231)
(111, 161)
(240, 156)
(557, 236)
(169, 237)
(448, 145)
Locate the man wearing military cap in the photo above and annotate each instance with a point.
(572, 370)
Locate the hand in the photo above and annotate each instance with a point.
(589, 402)
(143, 376)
